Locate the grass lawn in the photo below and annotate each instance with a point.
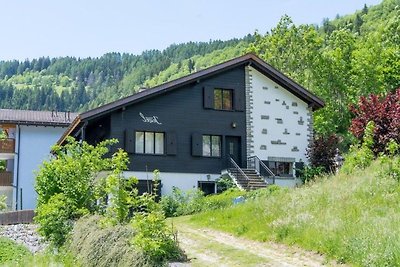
(351, 218)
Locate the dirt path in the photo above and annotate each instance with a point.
(206, 247)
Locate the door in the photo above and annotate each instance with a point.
(232, 149)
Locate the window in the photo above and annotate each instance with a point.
(223, 99)
(281, 168)
(211, 146)
(149, 143)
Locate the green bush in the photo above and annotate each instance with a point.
(3, 204)
(98, 246)
(224, 183)
(154, 238)
(182, 202)
(360, 157)
(11, 252)
(309, 173)
(193, 201)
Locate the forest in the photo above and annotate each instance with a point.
(340, 60)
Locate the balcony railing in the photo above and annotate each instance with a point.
(7, 145)
(6, 178)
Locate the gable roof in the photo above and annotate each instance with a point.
(33, 117)
(248, 59)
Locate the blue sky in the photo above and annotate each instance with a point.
(34, 28)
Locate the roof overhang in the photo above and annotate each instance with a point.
(312, 100)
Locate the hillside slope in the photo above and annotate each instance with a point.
(351, 218)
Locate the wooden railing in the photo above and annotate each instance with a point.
(7, 145)
(6, 178)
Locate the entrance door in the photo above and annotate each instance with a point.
(232, 149)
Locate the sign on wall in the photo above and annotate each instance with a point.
(149, 119)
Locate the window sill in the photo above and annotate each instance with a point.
(144, 154)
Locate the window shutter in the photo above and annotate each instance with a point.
(129, 141)
(208, 94)
(197, 144)
(239, 100)
(171, 143)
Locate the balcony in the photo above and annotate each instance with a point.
(7, 148)
(6, 178)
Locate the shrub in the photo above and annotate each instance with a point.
(67, 187)
(308, 173)
(55, 218)
(3, 204)
(182, 203)
(224, 183)
(11, 252)
(361, 156)
(99, 246)
(321, 153)
(384, 112)
(391, 162)
(154, 238)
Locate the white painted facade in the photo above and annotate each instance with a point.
(169, 180)
(34, 144)
(279, 123)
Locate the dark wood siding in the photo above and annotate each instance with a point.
(181, 113)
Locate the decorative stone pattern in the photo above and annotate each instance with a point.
(24, 234)
(285, 137)
(265, 87)
(249, 113)
(278, 142)
(264, 117)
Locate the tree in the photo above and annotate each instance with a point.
(384, 112)
(66, 186)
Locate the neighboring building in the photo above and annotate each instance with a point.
(29, 137)
(241, 118)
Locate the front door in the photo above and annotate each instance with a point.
(232, 149)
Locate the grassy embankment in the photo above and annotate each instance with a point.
(352, 218)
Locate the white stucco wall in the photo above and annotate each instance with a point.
(35, 144)
(184, 181)
(280, 123)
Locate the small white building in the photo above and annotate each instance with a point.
(29, 136)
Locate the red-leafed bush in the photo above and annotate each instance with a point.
(322, 151)
(384, 112)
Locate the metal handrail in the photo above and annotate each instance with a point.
(257, 163)
(239, 170)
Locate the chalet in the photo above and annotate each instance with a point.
(241, 118)
(28, 138)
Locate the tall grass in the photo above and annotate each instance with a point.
(351, 217)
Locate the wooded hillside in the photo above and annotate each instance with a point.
(340, 60)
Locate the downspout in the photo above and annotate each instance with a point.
(17, 169)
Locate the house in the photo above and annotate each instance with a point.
(28, 138)
(241, 118)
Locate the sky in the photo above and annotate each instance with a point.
(83, 28)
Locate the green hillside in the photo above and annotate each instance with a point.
(350, 218)
(340, 60)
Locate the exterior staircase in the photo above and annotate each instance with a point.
(252, 182)
(249, 178)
